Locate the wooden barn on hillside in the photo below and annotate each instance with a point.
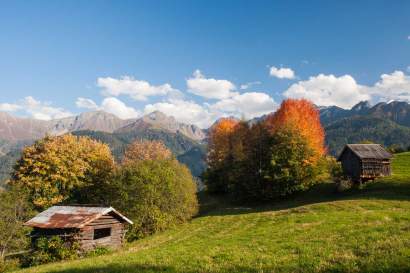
(90, 226)
(363, 162)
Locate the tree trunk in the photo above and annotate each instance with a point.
(2, 254)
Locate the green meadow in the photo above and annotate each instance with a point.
(363, 230)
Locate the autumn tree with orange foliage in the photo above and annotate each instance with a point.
(220, 141)
(300, 115)
(297, 148)
(270, 159)
(141, 150)
(220, 155)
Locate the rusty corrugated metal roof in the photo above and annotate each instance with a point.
(70, 216)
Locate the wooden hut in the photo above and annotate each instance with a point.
(90, 226)
(363, 162)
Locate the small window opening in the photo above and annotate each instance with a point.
(102, 233)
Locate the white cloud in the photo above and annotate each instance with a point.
(136, 89)
(249, 85)
(43, 110)
(110, 105)
(394, 86)
(184, 111)
(210, 88)
(323, 90)
(249, 105)
(229, 102)
(282, 73)
(344, 91)
(36, 109)
(9, 107)
(327, 90)
(408, 37)
(115, 106)
(86, 103)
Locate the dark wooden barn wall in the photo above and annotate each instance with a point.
(358, 168)
(86, 234)
(375, 167)
(351, 164)
(65, 233)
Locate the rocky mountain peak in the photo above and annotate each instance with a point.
(361, 106)
(160, 121)
(396, 111)
(158, 117)
(95, 121)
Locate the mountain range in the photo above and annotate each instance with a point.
(17, 129)
(385, 123)
(184, 140)
(396, 111)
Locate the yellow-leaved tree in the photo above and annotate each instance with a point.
(63, 168)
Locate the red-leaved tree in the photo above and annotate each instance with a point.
(300, 115)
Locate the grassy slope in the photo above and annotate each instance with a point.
(319, 231)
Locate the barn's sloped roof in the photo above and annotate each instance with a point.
(367, 151)
(71, 216)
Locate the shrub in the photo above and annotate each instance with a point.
(154, 194)
(53, 249)
(14, 211)
(395, 149)
(98, 251)
(335, 169)
(342, 182)
(325, 167)
(9, 265)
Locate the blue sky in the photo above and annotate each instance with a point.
(191, 58)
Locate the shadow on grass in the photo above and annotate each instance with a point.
(116, 268)
(383, 189)
(395, 267)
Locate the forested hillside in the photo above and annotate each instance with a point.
(8, 160)
(186, 150)
(384, 123)
(359, 128)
